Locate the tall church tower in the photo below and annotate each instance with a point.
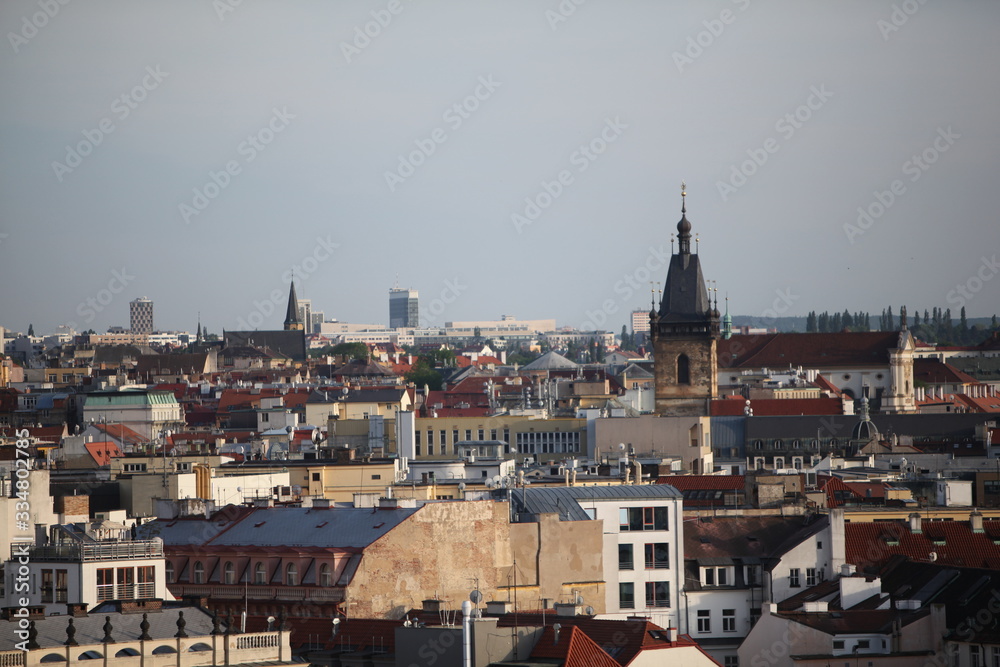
(292, 321)
(684, 333)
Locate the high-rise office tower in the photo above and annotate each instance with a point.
(141, 316)
(403, 309)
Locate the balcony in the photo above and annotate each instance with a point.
(92, 552)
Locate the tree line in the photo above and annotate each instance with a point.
(933, 326)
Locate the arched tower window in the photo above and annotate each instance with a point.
(683, 369)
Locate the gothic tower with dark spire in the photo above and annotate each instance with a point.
(292, 320)
(684, 333)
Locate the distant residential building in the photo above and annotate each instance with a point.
(146, 412)
(141, 316)
(640, 321)
(404, 310)
(643, 542)
(305, 313)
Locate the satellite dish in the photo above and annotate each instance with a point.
(621, 446)
(579, 599)
(336, 621)
(475, 597)
(271, 619)
(461, 486)
(239, 489)
(296, 489)
(406, 623)
(589, 611)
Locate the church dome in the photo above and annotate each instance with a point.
(865, 429)
(684, 226)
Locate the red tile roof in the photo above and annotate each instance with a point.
(953, 542)
(933, 371)
(816, 350)
(777, 407)
(713, 482)
(103, 452)
(121, 433)
(573, 647)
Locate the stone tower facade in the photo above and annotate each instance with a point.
(684, 333)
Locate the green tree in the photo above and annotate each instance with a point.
(31, 329)
(963, 323)
(811, 323)
(354, 351)
(422, 374)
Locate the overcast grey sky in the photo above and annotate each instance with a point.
(196, 152)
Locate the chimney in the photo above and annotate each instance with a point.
(915, 526)
(976, 521)
(671, 635)
(76, 609)
(498, 607)
(846, 570)
(432, 606)
(567, 609)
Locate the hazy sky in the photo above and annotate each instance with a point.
(199, 152)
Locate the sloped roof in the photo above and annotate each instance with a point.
(573, 647)
(934, 371)
(103, 452)
(564, 500)
(90, 628)
(754, 536)
(291, 344)
(874, 621)
(334, 528)
(733, 407)
(685, 482)
(550, 361)
(813, 350)
(953, 543)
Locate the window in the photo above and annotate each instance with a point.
(468, 434)
(62, 586)
(793, 577)
(376, 476)
(259, 574)
(146, 587)
(753, 575)
(315, 476)
(863, 643)
(779, 461)
(292, 575)
(996, 657)
(683, 370)
(444, 440)
(325, 576)
(731, 661)
(199, 572)
(626, 595)
(126, 583)
(229, 573)
(838, 644)
(657, 556)
(723, 576)
(729, 620)
(493, 434)
(482, 432)
(810, 576)
(170, 572)
(430, 450)
(704, 620)
(454, 436)
(106, 583)
(625, 561)
(975, 656)
(709, 576)
(657, 593)
(416, 439)
(430, 439)
(643, 518)
(47, 586)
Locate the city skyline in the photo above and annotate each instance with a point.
(835, 157)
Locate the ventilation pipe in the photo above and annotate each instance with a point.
(466, 633)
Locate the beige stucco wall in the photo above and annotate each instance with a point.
(555, 558)
(438, 552)
(658, 436)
